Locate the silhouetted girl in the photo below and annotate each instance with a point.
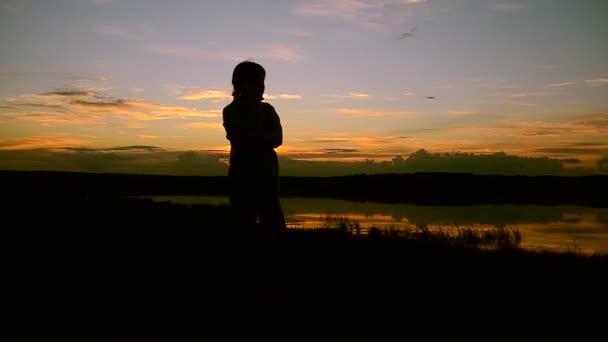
(254, 130)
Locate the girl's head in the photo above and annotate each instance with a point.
(248, 81)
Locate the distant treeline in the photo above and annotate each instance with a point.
(412, 188)
(151, 160)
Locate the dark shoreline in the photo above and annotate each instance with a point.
(114, 267)
(417, 188)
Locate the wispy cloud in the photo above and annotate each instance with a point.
(346, 9)
(562, 84)
(504, 6)
(372, 14)
(529, 94)
(285, 53)
(568, 150)
(11, 5)
(67, 93)
(276, 52)
(205, 125)
(340, 150)
(521, 95)
(75, 107)
(90, 78)
(301, 34)
(115, 30)
(283, 97)
(191, 53)
(176, 90)
(461, 112)
(180, 52)
(147, 136)
(220, 95)
(597, 82)
(46, 140)
(341, 138)
(102, 2)
(207, 95)
(361, 113)
(519, 103)
(535, 129)
(332, 139)
(354, 95)
(591, 82)
(497, 84)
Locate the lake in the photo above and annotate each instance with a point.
(542, 227)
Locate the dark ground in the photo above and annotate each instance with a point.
(413, 188)
(102, 266)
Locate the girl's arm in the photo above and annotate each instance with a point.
(272, 135)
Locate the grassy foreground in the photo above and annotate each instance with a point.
(139, 270)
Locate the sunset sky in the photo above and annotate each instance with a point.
(350, 79)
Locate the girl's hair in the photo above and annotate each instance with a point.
(248, 80)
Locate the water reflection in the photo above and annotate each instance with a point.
(545, 227)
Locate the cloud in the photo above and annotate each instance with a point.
(276, 52)
(346, 9)
(503, 6)
(90, 78)
(344, 138)
(206, 125)
(354, 95)
(519, 103)
(562, 84)
(100, 104)
(518, 95)
(68, 92)
(82, 108)
(192, 53)
(207, 95)
(567, 150)
(496, 84)
(301, 34)
(360, 113)
(383, 16)
(597, 82)
(177, 90)
(218, 95)
(12, 5)
(571, 160)
(284, 53)
(461, 112)
(521, 95)
(575, 127)
(181, 52)
(332, 140)
(55, 75)
(114, 30)
(147, 136)
(120, 148)
(283, 97)
(340, 150)
(45, 140)
(599, 121)
(102, 2)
